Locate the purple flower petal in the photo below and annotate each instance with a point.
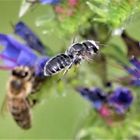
(49, 1)
(40, 66)
(95, 96)
(133, 72)
(16, 51)
(32, 40)
(135, 82)
(26, 59)
(135, 62)
(121, 99)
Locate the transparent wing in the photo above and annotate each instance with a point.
(3, 107)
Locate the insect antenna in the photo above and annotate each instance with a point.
(3, 107)
(12, 25)
(101, 44)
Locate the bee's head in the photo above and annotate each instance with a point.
(20, 77)
(23, 73)
(92, 47)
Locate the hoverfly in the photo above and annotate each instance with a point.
(73, 56)
(26, 73)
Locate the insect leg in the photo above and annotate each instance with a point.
(65, 72)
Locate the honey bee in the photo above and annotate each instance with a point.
(27, 75)
(20, 85)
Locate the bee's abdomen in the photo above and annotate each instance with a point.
(57, 64)
(20, 111)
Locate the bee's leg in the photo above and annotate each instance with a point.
(32, 102)
(37, 84)
(76, 67)
(65, 72)
(63, 76)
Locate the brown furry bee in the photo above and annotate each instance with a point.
(20, 85)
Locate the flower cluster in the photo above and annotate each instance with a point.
(43, 2)
(16, 53)
(133, 53)
(108, 105)
(134, 71)
(68, 10)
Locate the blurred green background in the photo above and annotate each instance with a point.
(54, 118)
(61, 111)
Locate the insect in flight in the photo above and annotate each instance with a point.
(73, 56)
(26, 76)
(19, 87)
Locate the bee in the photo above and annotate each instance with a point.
(73, 56)
(25, 61)
(19, 87)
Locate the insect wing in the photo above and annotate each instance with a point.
(3, 108)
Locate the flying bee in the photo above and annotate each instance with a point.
(26, 68)
(19, 87)
(73, 56)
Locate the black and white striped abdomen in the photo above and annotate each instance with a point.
(57, 64)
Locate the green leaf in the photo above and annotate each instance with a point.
(94, 8)
(24, 8)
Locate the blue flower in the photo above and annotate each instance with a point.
(49, 1)
(16, 54)
(134, 71)
(31, 39)
(135, 82)
(40, 66)
(95, 96)
(118, 101)
(16, 51)
(134, 61)
(121, 99)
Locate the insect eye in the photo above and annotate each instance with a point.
(24, 74)
(95, 49)
(14, 73)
